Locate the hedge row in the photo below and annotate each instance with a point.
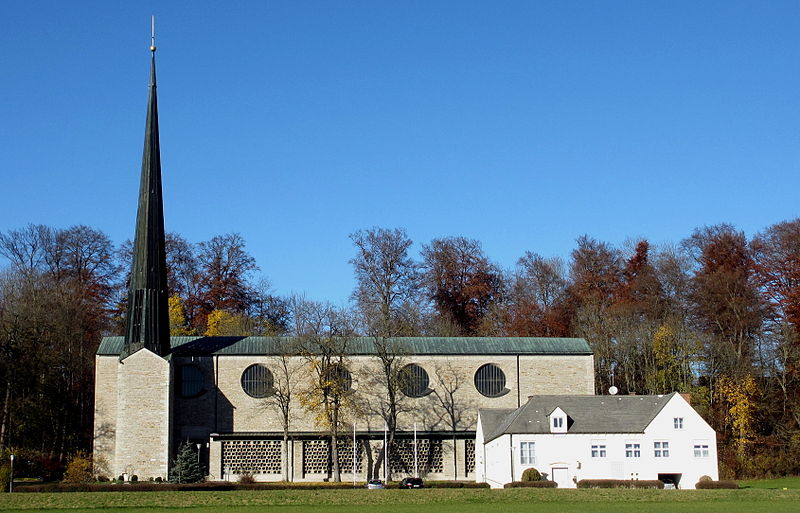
(217, 486)
(531, 484)
(172, 487)
(717, 485)
(453, 484)
(618, 483)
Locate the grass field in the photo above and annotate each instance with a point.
(791, 483)
(416, 501)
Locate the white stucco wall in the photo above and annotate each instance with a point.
(573, 452)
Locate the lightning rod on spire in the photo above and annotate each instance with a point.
(153, 33)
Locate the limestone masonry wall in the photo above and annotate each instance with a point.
(105, 414)
(143, 420)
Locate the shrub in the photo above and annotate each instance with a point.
(717, 485)
(5, 478)
(455, 484)
(102, 479)
(705, 478)
(619, 483)
(79, 469)
(531, 474)
(531, 484)
(120, 478)
(134, 478)
(246, 478)
(158, 479)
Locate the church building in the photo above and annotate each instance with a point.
(154, 392)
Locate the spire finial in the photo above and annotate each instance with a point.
(153, 33)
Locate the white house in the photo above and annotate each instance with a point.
(569, 438)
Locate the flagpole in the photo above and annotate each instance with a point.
(354, 454)
(385, 453)
(416, 464)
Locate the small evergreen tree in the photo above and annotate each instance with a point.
(185, 467)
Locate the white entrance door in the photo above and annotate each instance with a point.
(561, 476)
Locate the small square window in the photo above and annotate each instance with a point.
(678, 422)
(661, 449)
(701, 450)
(598, 451)
(633, 450)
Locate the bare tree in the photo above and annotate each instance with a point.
(386, 279)
(324, 340)
(285, 368)
(455, 411)
(384, 395)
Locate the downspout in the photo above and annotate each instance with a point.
(216, 391)
(485, 463)
(511, 451)
(519, 392)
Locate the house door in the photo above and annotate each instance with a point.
(561, 476)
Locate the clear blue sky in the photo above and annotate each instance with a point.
(521, 124)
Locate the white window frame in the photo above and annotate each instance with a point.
(633, 450)
(701, 449)
(677, 422)
(527, 453)
(599, 449)
(661, 449)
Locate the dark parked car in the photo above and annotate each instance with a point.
(411, 482)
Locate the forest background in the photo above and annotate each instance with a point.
(715, 315)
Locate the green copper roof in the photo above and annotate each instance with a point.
(203, 346)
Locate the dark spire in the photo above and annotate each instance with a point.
(147, 319)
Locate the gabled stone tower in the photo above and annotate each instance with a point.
(147, 319)
(134, 393)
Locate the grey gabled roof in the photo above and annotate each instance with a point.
(587, 414)
(204, 346)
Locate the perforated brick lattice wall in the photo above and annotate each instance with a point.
(469, 455)
(317, 457)
(251, 456)
(429, 454)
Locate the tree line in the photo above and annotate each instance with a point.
(715, 315)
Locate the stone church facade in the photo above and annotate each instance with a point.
(154, 392)
(202, 393)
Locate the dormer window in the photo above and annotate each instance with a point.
(558, 421)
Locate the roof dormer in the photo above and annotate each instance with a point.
(558, 421)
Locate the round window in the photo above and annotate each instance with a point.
(490, 380)
(339, 379)
(191, 381)
(414, 380)
(257, 381)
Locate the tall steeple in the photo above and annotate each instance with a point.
(147, 318)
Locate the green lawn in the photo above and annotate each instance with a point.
(416, 501)
(791, 483)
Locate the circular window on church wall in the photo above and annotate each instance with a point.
(490, 380)
(257, 381)
(414, 380)
(339, 379)
(191, 381)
